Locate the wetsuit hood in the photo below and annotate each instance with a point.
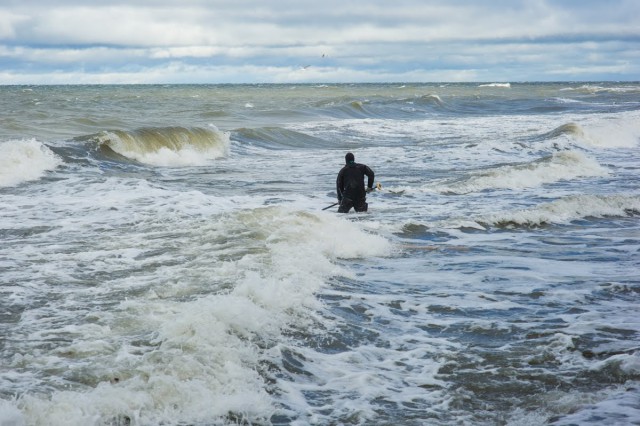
(349, 158)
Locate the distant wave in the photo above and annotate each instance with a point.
(352, 109)
(277, 138)
(358, 105)
(564, 165)
(375, 106)
(590, 89)
(430, 99)
(166, 146)
(505, 85)
(594, 89)
(25, 160)
(566, 210)
(345, 107)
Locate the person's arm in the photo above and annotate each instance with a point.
(340, 185)
(370, 175)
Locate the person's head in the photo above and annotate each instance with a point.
(349, 158)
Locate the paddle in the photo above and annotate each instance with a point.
(334, 204)
(378, 187)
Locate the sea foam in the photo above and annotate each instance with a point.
(564, 165)
(504, 85)
(612, 133)
(567, 209)
(163, 354)
(25, 160)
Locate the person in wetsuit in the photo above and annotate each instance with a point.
(350, 185)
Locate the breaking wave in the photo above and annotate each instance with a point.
(196, 354)
(505, 85)
(25, 160)
(564, 165)
(571, 129)
(430, 99)
(592, 89)
(166, 146)
(566, 210)
(612, 133)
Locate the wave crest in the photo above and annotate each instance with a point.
(25, 160)
(503, 85)
(571, 129)
(564, 165)
(166, 146)
(568, 209)
(610, 133)
(431, 99)
(277, 138)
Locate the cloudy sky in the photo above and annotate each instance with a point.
(292, 41)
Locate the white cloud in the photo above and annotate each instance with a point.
(8, 23)
(218, 41)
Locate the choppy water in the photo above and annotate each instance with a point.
(165, 259)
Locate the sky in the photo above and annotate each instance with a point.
(330, 41)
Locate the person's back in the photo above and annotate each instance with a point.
(350, 185)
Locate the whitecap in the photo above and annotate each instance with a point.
(504, 85)
(563, 165)
(25, 160)
(567, 209)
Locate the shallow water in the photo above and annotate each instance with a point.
(165, 258)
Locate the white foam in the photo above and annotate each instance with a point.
(25, 160)
(568, 209)
(612, 133)
(10, 415)
(593, 89)
(503, 85)
(200, 357)
(564, 165)
(630, 364)
(615, 407)
(166, 157)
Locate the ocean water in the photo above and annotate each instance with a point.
(165, 258)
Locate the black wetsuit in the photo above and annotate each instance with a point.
(350, 187)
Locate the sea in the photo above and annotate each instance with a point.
(170, 255)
